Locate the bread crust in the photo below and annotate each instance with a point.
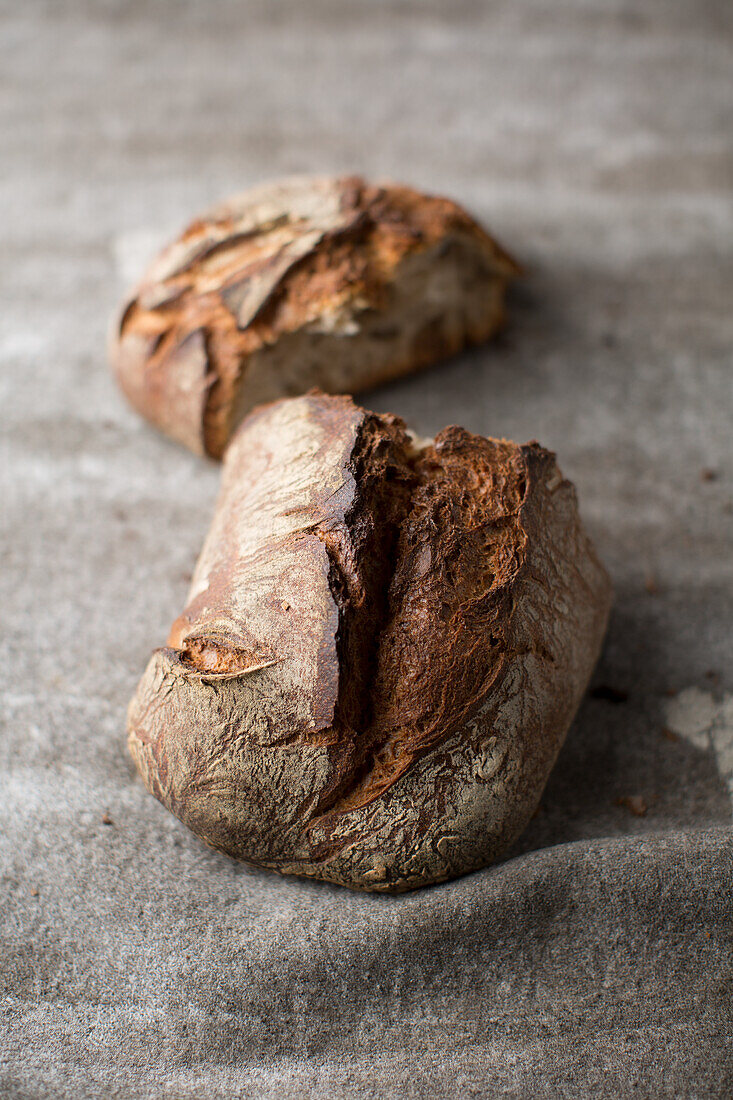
(382, 650)
(335, 283)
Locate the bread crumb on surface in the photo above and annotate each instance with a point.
(651, 585)
(634, 803)
(609, 693)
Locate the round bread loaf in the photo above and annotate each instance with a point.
(334, 283)
(384, 645)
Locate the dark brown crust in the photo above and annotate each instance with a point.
(368, 617)
(281, 261)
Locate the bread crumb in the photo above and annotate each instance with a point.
(609, 693)
(634, 803)
(708, 474)
(34, 891)
(669, 734)
(650, 583)
(107, 820)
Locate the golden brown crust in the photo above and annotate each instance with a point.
(316, 260)
(382, 651)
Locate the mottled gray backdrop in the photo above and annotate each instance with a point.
(595, 138)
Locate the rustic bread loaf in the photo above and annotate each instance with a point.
(334, 283)
(384, 645)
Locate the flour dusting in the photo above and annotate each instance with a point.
(707, 724)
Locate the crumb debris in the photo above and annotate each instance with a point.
(34, 891)
(669, 734)
(609, 693)
(634, 803)
(708, 474)
(107, 820)
(651, 585)
(285, 605)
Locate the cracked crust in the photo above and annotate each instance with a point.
(383, 648)
(334, 283)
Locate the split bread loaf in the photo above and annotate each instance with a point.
(384, 645)
(334, 283)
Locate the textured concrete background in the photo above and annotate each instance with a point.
(595, 139)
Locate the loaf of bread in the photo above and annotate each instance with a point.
(329, 283)
(384, 645)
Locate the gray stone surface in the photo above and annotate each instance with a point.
(595, 139)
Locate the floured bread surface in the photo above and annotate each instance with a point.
(329, 283)
(383, 648)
